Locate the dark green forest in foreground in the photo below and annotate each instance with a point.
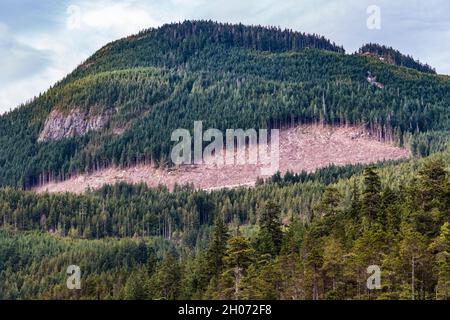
(292, 236)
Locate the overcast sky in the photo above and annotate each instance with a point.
(42, 41)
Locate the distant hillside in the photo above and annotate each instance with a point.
(120, 106)
(135, 242)
(177, 43)
(308, 232)
(390, 55)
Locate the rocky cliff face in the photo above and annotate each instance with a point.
(76, 123)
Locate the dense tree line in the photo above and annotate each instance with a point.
(402, 227)
(184, 40)
(296, 236)
(126, 210)
(152, 85)
(393, 56)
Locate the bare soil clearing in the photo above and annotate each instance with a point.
(306, 147)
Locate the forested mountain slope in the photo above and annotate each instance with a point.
(121, 105)
(308, 236)
(304, 235)
(393, 56)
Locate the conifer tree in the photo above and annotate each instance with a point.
(167, 278)
(238, 257)
(371, 194)
(217, 248)
(270, 236)
(136, 286)
(440, 247)
(355, 206)
(412, 251)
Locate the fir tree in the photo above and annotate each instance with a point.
(371, 194)
(270, 236)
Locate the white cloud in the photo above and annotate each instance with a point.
(25, 70)
(119, 17)
(112, 18)
(34, 58)
(37, 59)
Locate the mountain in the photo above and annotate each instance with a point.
(120, 106)
(310, 232)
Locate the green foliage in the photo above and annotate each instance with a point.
(393, 56)
(371, 194)
(321, 256)
(300, 236)
(270, 236)
(229, 76)
(238, 258)
(441, 248)
(217, 248)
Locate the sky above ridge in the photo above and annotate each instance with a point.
(42, 41)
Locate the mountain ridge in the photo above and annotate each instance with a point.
(308, 235)
(158, 83)
(392, 56)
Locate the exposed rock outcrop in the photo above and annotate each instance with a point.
(75, 123)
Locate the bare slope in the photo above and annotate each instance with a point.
(306, 147)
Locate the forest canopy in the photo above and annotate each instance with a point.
(305, 235)
(228, 76)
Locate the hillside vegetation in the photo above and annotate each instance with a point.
(228, 76)
(295, 235)
(393, 56)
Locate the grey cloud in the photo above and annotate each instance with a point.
(18, 59)
(416, 27)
